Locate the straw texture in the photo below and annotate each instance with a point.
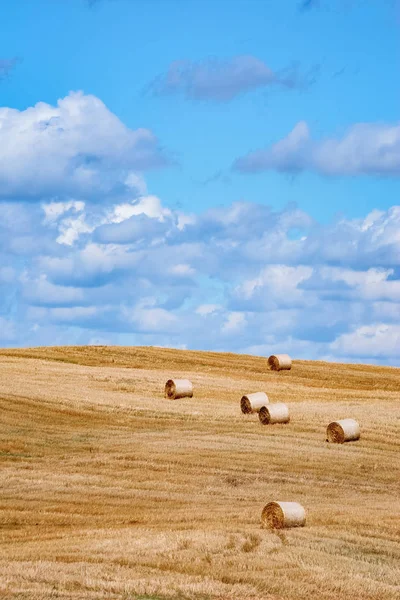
(178, 388)
(346, 430)
(280, 362)
(277, 515)
(274, 413)
(253, 402)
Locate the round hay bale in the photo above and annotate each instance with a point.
(280, 362)
(274, 413)
(178, 388)
(346, 430)
(277, 515)
(253, 402)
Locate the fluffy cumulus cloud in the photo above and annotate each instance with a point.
(365, 149)
(78, 148)
(222, 80)
(89, 255)
(377, 340)
(233, 278)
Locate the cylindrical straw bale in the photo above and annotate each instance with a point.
(346, 430)
(280, 362)
(178, 388)
(253, 402)
(274, 413)
(277, 515)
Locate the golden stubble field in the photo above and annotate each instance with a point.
(110, 491)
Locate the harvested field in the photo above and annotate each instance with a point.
(107, 490)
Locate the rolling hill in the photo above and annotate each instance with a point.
(108, 490)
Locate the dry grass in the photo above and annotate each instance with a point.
(108, 490)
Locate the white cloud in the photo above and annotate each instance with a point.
(77, 148)
(240, 278)
(199, 279)
(147, 317)
(183, 220)
(54, 210)
(208, 309)
(274, 286)
(137, 183)
(71, 229)
(182, 270)
(378, 340)
(235, 321)
(371, 284)
(146, 205)
(42, 292)
(91, 266)
(222, 80)
(365, 149)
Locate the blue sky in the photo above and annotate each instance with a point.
(201, 174)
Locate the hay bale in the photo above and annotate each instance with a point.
(253, 402)
(346, 430)
(178, 388)
(277, 515)
(280, 362)
(274, 413)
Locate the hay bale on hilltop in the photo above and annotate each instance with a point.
(274, 413)
(346, 430)
(253, 402)
(277, 515)
(178, 388)
(280, 362)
